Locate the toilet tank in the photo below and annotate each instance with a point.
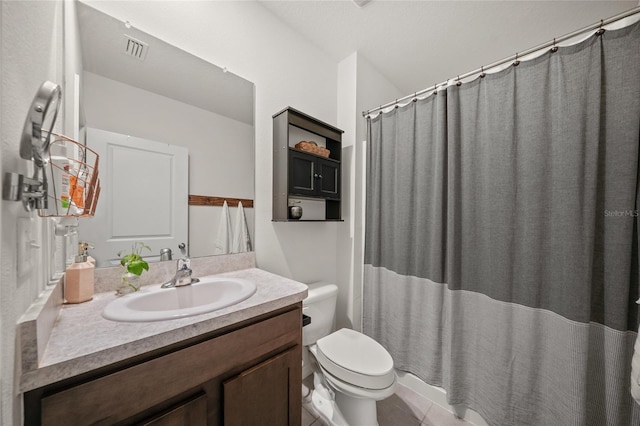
(320, 305)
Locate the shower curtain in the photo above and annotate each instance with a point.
(501, 242)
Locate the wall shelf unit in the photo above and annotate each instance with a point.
(304, 176)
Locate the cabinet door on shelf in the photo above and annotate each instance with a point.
(328, 179)
(302, 168)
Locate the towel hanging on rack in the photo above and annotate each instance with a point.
(223, 238)
(241, 238)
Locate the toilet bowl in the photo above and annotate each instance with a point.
(353, 370)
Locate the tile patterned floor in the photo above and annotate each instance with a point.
(404, 408)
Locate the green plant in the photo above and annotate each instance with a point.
(133, 262)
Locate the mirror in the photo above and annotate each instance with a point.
(136, 85)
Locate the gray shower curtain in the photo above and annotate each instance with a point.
(501, 242)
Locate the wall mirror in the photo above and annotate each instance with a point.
(135, 87)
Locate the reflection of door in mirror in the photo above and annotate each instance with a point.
(138, 175)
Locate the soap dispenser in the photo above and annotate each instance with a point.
(79, 278)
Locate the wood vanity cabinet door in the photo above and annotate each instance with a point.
(190, 413)
(265, 394)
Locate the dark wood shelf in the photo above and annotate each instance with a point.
(303, 174)
(315, 155)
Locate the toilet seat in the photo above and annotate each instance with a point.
(355, 359)
(357, 391)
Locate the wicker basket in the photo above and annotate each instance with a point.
(312, 148)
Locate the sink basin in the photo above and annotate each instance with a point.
(158, 304)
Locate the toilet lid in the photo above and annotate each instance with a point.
(357, 359)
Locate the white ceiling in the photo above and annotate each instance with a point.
(417, 44)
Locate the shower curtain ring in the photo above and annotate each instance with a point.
(415, 97)
(458, 83)
(396, 103)
(554, 49)
(600, 29)
(482, 74)
(516, 62)
(435, 89)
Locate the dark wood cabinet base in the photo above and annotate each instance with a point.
(252, 372)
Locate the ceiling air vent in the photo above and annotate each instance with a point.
(136, 48)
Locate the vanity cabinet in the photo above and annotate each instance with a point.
(250, 373)
(300, 174)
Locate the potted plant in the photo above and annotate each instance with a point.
(134, 265)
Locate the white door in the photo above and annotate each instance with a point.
(144, 196)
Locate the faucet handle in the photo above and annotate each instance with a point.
(184, 263)
(184, 260)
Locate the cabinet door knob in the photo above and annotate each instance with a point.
(315, 175)
(320, 176)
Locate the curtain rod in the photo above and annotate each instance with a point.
(515, 57)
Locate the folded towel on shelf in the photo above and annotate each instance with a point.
(223, 238)
(241, 238)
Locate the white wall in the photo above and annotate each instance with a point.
(346, 308)
(31, 53)
(360, 86)
(287, 71)
(221, 150)
(2, 363)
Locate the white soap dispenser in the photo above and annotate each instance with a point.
(79, 278)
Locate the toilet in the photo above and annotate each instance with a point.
(354, 370)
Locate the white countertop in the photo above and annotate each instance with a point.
(82, 340)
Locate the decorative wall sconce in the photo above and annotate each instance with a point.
(73, 171)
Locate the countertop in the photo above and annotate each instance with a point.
(82, 340)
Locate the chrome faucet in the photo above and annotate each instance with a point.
(183, 276)
(183, 271)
